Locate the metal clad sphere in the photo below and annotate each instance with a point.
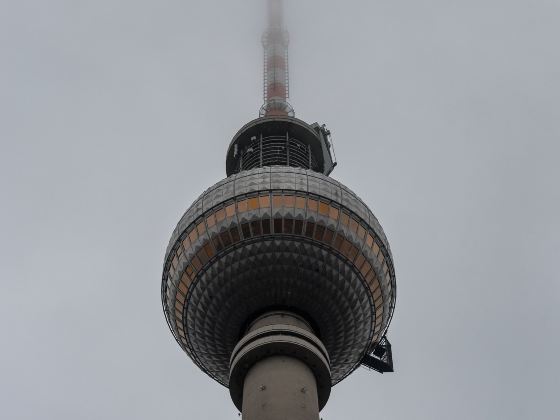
(278, 237)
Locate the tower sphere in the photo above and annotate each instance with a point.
(278, 237)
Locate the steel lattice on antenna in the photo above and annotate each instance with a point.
(276, 75)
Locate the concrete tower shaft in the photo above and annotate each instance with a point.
(280, 369)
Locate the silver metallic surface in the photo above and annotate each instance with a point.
(276, 270)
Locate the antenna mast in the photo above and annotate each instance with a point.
(276, 83)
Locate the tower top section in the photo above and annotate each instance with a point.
(275, 14)
(276, 79)
(277, 138)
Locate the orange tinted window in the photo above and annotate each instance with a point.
(338, 242)
(201, 228)
(211, 221)
(276, 201)
(253, 203)
(360, 260)
(196, 263)
(300, 202)
(365, 269)
(230, 210)
(186, 243)
(353, 225)
(375, 248)
(333, 213)
(329, 234)
(344, 219)
(361, 232)
(220, 215)
(346, 247)
(242, 206)
(312, 205)
(369, 240)
(289, 200)
(353, 252)
(264, 201)
(209, 250)
(323, 208)
(183, 287)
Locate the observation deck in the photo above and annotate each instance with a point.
(280, 141)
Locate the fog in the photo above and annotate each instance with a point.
(116, 115)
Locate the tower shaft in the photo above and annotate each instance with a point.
(280, 370)
(279, 388)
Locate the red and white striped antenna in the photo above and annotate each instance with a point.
(276, 72)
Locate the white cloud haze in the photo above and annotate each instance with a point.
(116, 115)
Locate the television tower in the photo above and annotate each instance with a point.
(278, 281)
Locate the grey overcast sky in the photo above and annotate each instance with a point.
(116, 114)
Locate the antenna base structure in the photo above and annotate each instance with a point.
(276, 73)
(276, 108)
